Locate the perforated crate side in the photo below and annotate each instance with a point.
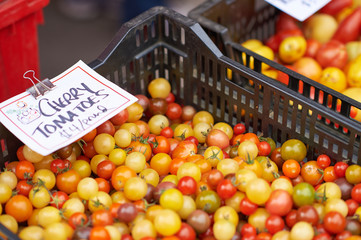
(197, 72)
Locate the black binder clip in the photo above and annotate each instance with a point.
(40, 88)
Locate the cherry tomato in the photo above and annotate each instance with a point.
(187, 185)
(57, 165)
(23, 187)
(103, 185)
(58, 199)
(167, 132)
(308, 214)
(291, 168)
(99, 233)
(312, 173)
(332, 54)
(239, 128)
(89, 150)
(353, 174)
(292, 48)
(356, 193)
(120, 117)
(340, 169)
(68, 181)
(77, 219)
(101, 217)
(247, 207)
(248, 229)
(186, 232)
(323, 161)
(174, 111)
(293, 149)
(334, 222)
(171, 199)
(105, 169)
(264, 148)
(19, 207)
(208, 200)
(106, 127)
(291, 218)
(226, 189)
(279, 203)
(167, 222)
(120, 175)
(217, 138)
(313, 46)
(274, 224)
(199, 220)
(352, 205)
(329, 174)
(160, 145)
(303, 194)
(24, 170)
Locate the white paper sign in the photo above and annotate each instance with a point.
(299, 9)
(81, 101)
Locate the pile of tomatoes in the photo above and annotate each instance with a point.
(325, 48)
(159, 170)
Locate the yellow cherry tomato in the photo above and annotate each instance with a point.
(292, 48)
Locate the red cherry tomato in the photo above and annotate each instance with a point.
(264, 148)
(323, 161)
(340, 169)
(274, 223)
(248, 229)
(332, 54)
(187, 185)
(286, 22)
(349, 29)
(334, 222)
(247, 207)
(174, 111)
(186, 232)
(356, 193)
(120, 118)
(239, 128)
(58, 199)
(226, 189)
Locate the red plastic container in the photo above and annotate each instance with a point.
(18, 43)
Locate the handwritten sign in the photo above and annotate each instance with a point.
(299, 9)
(81, 101)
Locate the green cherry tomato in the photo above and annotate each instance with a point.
(293, 149)
(303, 194)
(208, 201)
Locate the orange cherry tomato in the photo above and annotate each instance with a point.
(250, 137)
(311, 173)
(291, 168)
(329, 174)
(68, 181)
(19, 207)
(120, 175)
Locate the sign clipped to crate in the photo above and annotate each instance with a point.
(53, 114)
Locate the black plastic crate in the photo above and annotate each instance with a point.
(230, 22)
(227, 21)
(163, 43)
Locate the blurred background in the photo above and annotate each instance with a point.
(81, 29)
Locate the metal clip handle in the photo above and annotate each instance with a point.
(40, 88)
